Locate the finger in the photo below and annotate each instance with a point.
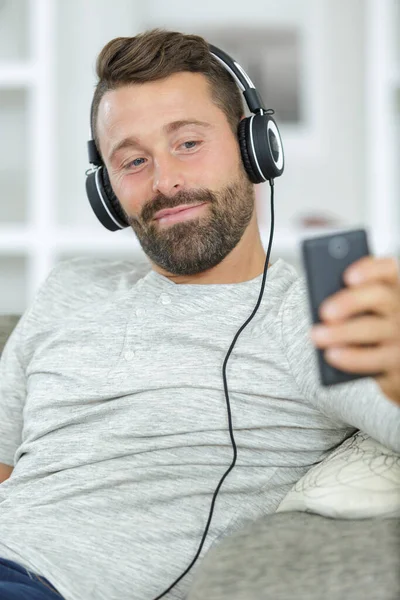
(374, 298)
(382, 358)
(370, 268)
(359, 330)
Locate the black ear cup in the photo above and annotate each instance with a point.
(243, 134)
(267, 145)
(261, 147)
(104, 202)
(111, 199)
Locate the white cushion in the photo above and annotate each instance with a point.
(360, 479)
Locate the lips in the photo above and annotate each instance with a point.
(170, 211)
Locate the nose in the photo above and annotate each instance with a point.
(168, 178)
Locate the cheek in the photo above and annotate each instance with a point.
(130, 191)
(218, 164)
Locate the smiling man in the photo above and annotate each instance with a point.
(181, 154)
(114, 428)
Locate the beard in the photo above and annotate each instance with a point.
(202, 242)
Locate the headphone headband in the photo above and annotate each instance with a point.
(250, 93)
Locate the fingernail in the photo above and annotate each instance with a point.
(319, 333)
(354, 277)
(329, 310)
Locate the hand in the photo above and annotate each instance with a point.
(366, 343)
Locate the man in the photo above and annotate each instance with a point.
(112, 405)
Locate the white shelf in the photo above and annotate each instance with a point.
(285, 240)
(17, 75)
(19, 238)
(15, 239)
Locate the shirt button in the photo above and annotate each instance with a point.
(129, 355)
(140, 312)
(165, 299)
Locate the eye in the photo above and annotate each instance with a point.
(134, 163)
(190, 144)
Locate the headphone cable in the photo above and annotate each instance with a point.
(271, 182)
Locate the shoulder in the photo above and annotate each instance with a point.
(286, 288)
(101, 273)
(79, 281)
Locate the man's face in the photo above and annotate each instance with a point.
(166, 144)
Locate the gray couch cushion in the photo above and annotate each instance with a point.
(301, 556)
(7, 324)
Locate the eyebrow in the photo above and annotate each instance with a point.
(133, 142)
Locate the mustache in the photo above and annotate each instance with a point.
(161, 201)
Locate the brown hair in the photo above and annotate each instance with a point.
(156, 54)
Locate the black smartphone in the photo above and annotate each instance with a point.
(325, 259)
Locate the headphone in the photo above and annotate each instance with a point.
(259, 140)
(262, 155)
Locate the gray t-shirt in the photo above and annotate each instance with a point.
(113, 411)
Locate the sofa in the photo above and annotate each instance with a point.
(309, 549)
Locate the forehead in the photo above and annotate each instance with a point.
(155, 103)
